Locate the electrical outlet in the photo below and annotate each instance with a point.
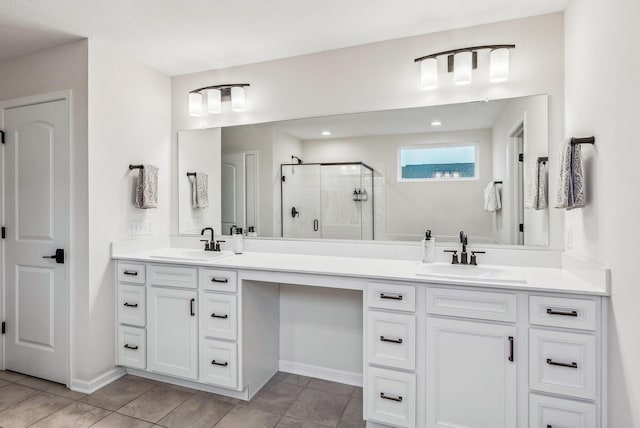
(141, 228)
(569, 238)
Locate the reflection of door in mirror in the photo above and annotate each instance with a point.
(198, 153)
(239, 195)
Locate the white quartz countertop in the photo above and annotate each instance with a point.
(537, 278)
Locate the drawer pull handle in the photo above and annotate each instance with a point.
(224, 317)
(216, 363)
(130, 272)
(220, 280)
(511, 348)
(384, 339)
(573, 365)
(131, 305)
(563, 313)
(134, 347)
(388, 296)
(386, 397)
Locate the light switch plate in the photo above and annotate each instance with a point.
(141, 228)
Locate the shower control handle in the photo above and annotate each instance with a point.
(294, 212)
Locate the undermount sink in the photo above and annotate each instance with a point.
(190, 255)
(468, 272)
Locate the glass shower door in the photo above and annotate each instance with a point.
(301, 205)
(341, 201)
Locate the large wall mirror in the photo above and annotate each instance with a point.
(480, 167)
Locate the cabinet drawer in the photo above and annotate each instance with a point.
(559, 312)
(218, 280)
(218, 315)
(132, 347)
(132, 305)
(562, 363)
(391, 296)
(472, 304)
(173, 276)
(391, 340)
(551, 412)
(219, 363)
(131, 272)
(391, 397)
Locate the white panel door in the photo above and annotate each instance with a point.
(172, 335)
(471, 378)
(36, 198)
(233, 191)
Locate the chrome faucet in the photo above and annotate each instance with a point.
(210, 244)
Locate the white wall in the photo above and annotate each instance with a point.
(602, 93)
(410, 208)
(533, 112)
(382, 76)
(51, 70)
(129, 122)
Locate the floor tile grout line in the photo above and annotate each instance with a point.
(106, 416)
(54, 412)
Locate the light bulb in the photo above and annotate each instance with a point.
(214, 100)
(237, 98)
(462, 66)
(429, 73)
(195, 104)
(499, 65)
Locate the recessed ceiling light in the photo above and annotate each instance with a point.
(436, 123)
(326, 133)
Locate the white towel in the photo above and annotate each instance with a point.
(536, 196)
(200, 190)
(147, 187)
(571, 181)
(492, 200)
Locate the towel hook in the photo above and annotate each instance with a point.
(131, 167)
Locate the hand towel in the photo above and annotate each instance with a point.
(570, 193)
(536, 196)
(200, 190)
(492, 200)
(147, 187)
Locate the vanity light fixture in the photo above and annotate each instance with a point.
(216, 94)
(462, 62)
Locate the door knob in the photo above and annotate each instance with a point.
(58, 256)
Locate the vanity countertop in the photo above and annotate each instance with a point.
(537, 278)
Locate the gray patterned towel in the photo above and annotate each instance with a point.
(147, 187)
(200, 190)
(571, 181)
(536, 196)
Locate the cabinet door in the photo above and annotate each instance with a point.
(471, 374)
(172, 342)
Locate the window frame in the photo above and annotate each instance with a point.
(473, 144)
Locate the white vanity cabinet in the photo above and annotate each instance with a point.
(478, 357)
(172, 332)
(471, 374)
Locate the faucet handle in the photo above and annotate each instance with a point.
(474, 258)
(454, 257)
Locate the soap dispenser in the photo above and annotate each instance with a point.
(428, 248)
(238, 240)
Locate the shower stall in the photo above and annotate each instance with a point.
(327, 200)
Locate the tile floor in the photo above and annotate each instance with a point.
(287, 401)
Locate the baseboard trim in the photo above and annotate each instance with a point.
(341, 376)
(91, 386)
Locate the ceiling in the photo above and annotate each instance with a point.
(186, 36)
(454, 117)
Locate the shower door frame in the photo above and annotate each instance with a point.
(373, 213)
